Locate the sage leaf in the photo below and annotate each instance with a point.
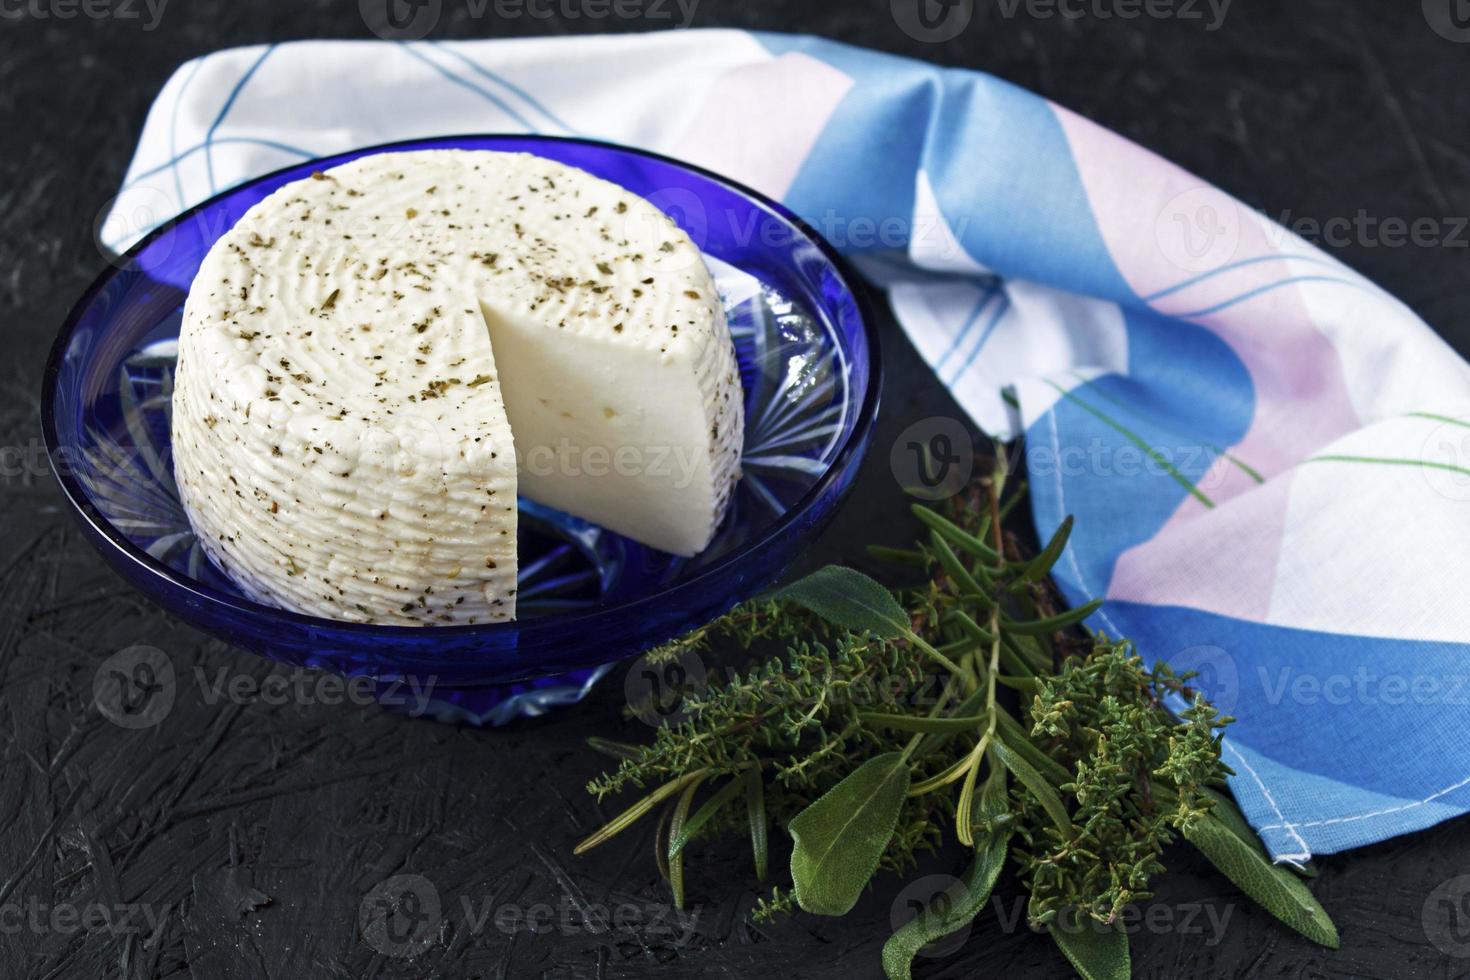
(838, 840)
(1036, 784)
(1097, 952)
(1229, 814)
(1306, 869)
(846, 597)
(1273, 887)
(1231, 817)
(949, 911)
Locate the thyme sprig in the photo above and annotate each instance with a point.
(872, 725)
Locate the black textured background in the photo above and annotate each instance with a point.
(251, 832)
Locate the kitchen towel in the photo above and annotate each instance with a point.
(1268, 456)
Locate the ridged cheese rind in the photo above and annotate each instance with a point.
(342, 439)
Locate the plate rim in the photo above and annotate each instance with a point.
(102, 530)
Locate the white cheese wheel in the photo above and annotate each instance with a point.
(374, 361)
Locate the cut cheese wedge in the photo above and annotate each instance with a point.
(375, 361)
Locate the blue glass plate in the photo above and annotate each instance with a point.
(808, 360)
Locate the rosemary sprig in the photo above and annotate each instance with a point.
(871, 723)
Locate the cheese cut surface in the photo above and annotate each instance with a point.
(375, 360)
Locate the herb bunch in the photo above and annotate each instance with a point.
(873, 726)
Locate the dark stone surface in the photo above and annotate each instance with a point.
(250, 833)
